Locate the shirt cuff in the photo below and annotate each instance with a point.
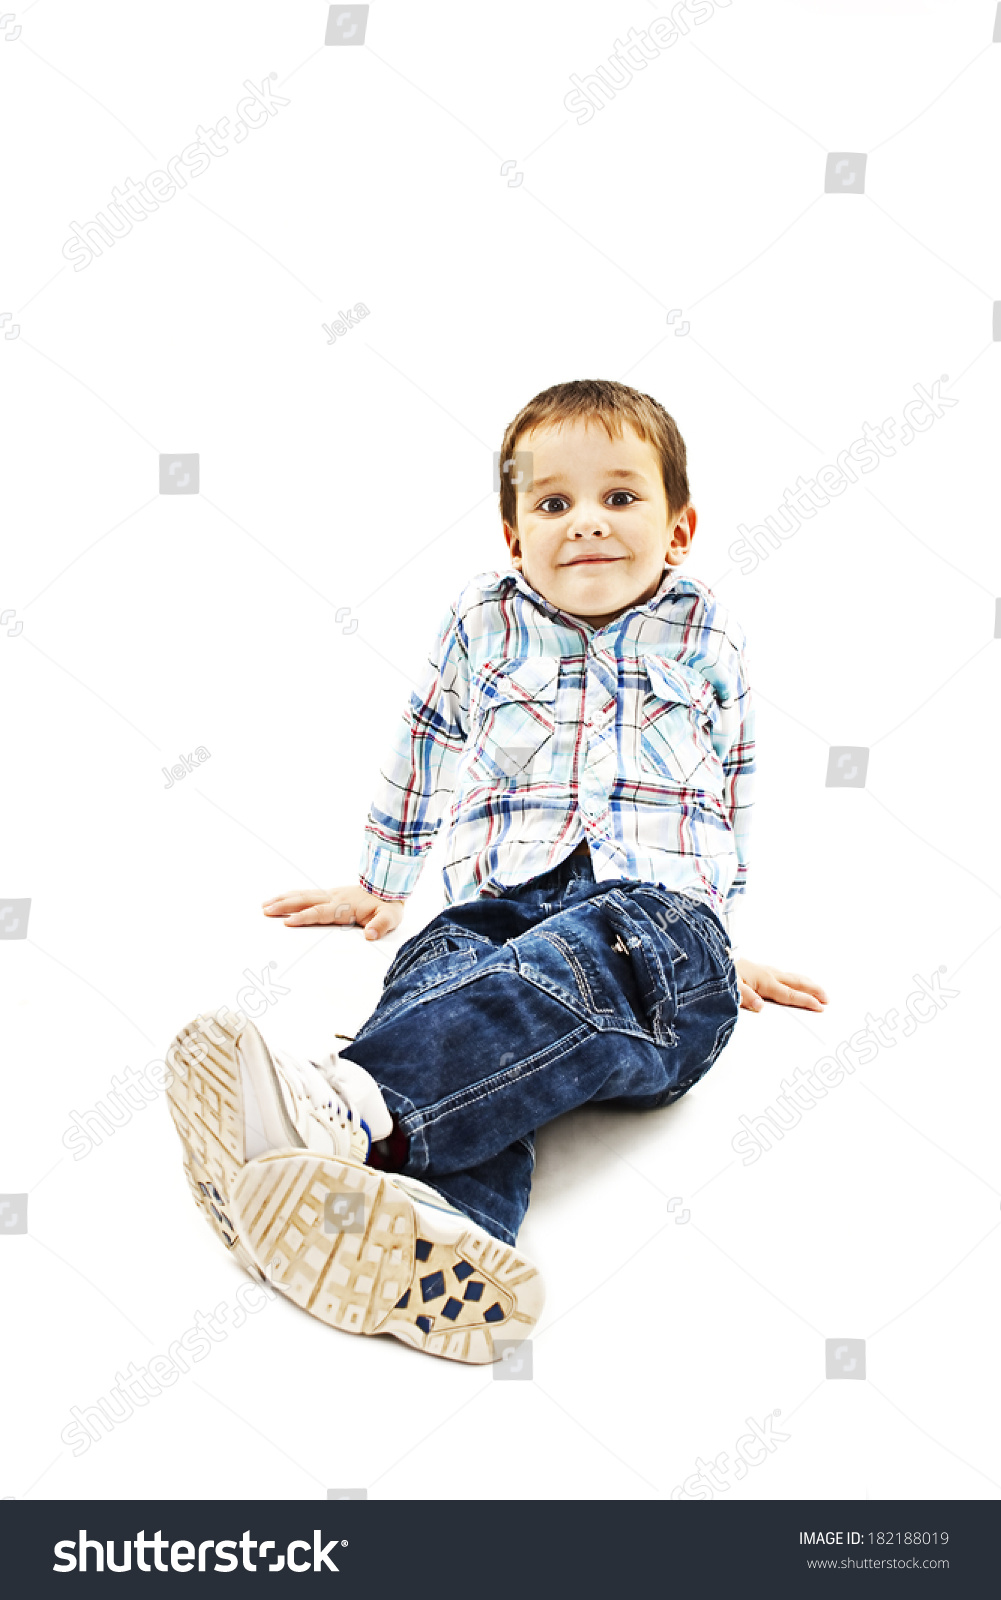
(388, 874)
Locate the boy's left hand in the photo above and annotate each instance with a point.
(759, 983)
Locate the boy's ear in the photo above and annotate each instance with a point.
(682, 534)
(513, 544)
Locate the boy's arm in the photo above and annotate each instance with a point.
(734, 740)
(413, 791)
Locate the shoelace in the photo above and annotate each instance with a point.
(314, 1085)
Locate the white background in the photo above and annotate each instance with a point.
(351, 483)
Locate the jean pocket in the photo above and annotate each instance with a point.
(676, 727)
(414, 961)
(674, 909)
(513, 713)
(654, 957)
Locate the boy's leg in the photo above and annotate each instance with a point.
(494, 1193)
(503, 1014)
(494, 1020)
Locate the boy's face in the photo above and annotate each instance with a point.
(594, 528)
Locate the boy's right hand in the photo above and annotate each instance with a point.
(307, 908)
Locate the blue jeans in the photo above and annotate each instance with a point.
(503, 1013)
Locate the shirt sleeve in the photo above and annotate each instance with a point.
(734, 741)
(413, 791)
(731, 921)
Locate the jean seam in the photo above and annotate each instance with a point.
(445, 985)
(601, 1020)
(423, 946)
(661, 1033)
(705, 991)
(713, 937)
(723, 1033)
(622, 904)
(706, 930)
(453, 1104)
(566, 950)
(468, 960)
(489, 1224)
(404, 1110)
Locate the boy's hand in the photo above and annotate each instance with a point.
(308, 908)
(759, 983)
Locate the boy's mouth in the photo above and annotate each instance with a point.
(580, 561)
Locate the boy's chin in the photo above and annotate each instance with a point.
(599, 619)
(595, 603)
(604, 609)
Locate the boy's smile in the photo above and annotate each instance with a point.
(594, 527)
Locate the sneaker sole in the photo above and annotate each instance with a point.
(350, 1247)
(206, 1103)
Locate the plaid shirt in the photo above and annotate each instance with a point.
(636, 737)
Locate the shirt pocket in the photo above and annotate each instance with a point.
(676, 727)
(513, 715)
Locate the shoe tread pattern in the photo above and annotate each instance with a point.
(449, 1299)
(205, 1102)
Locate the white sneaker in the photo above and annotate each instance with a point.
(373, 1252)
(233, 1099)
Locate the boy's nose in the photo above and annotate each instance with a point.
(587, 529)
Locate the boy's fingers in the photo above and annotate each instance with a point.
(379, 922)
(796, 981)
(787, 996)
(307, 909)
(284, 903)
(310, 916)
(750, 1000)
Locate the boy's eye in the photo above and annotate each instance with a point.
(553, 504)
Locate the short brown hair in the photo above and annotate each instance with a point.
(611, 404)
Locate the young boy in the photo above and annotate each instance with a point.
(589, 714)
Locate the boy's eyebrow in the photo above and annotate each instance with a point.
(613, 472)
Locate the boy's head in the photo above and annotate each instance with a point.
(603, 504)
